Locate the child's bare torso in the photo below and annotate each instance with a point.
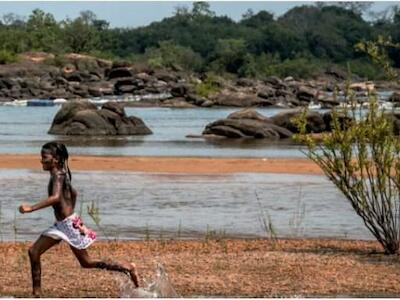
(65, 207)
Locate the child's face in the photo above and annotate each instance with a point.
(48, 161)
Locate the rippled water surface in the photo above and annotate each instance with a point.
(146, 205)
(24, 130)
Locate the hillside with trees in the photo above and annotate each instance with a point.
(304, 42)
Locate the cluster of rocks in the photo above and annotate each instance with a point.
(248, 123)
(82, 77)
(79, 76)
(84, 118)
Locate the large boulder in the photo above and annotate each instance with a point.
(179, 90)
(240, 99)
(248, 113)
(126, 85)
(250, 123)
(84, 118)
(395, 97)
(315, 121)
(247, 123)
(177, 103)
(119, 73)
(305, 93)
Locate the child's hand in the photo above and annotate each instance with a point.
(25, 208)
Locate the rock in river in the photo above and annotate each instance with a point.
(248, 123)
(84, 118)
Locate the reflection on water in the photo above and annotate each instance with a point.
(98, 141)
(143, 205)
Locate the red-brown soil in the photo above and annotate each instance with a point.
(214, 268)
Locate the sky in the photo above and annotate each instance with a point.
(142, 13)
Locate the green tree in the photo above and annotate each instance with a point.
(44, 32)
(361, 156)
(229, 55)
(357, 7)
(202, 8)
(173, 56)
(81, 35)
(362, 160)
(259, 20)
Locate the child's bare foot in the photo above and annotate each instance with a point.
(134, 275)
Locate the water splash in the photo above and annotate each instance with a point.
(160, 287)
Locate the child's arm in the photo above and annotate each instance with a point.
(51, 200)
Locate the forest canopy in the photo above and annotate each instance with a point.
(305, 41)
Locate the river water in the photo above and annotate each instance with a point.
(150, 205)
(24, 130)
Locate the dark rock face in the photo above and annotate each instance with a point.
(119, 73)
(315, 121)
(249, 123)
(306, 94)
(239, 99)
(177, 103)
(83, 118)
(395, 97)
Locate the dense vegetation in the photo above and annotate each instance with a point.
(304, 41)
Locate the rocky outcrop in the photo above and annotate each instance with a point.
(395, 97)
(249, 123)
(177, 103)
(240, 99)
(84, 118)
(74, 76)
(315, 121)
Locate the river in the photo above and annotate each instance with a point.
(24, 130)
(150, 205)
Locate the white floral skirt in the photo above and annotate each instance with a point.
(72, 230)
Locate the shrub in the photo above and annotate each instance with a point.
(362, 160)
(170, 55)
(59, 61)
(210, 85)
(7, 57)
(300, 67)
(365, 69)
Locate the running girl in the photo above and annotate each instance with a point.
(69, 226)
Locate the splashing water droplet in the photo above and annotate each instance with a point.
(160, 287)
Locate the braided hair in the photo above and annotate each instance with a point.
(59, 151)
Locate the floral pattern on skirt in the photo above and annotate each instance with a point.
(73, 231)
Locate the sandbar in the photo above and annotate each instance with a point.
(153, 164)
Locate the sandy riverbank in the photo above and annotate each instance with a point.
(228, 268)
(170, 164)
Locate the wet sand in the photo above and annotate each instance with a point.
(215, 268)
(170, 164)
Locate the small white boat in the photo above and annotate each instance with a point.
(40, 102)
(314, 106)
(99, 101)
(59, 101)
(386, 106)
(16, 103)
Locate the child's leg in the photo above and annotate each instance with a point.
(121, 266)
(35, 251)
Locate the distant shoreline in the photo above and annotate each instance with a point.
(157, 164)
